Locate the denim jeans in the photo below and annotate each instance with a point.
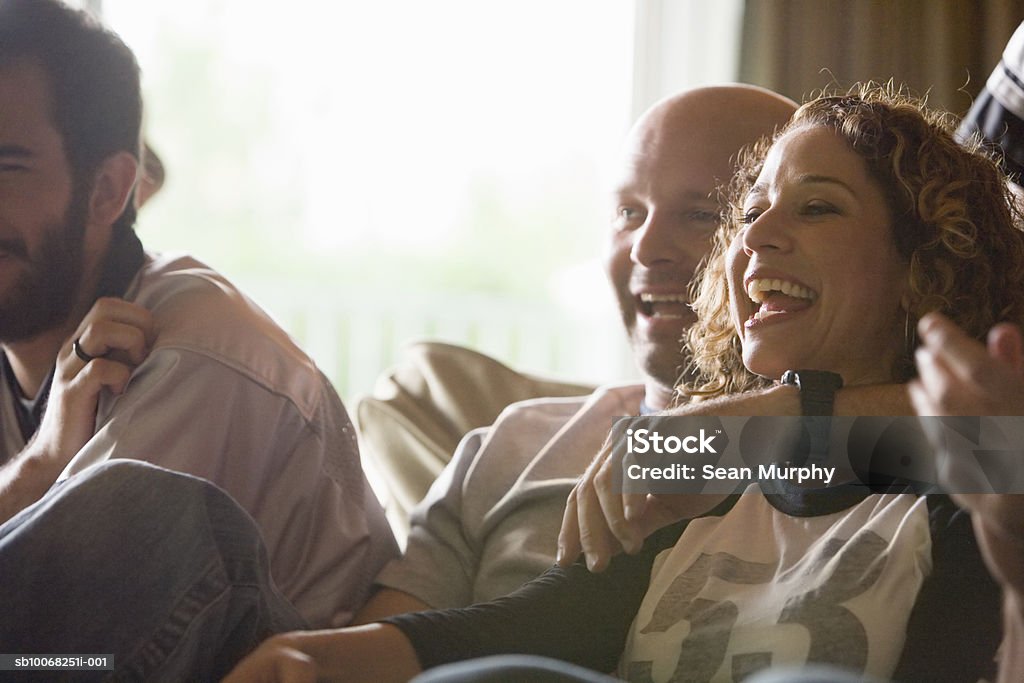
(512, 669)
(529, 669)
(162, 570)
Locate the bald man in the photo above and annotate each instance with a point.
(491, 520)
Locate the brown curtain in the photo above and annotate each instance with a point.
(945, 48)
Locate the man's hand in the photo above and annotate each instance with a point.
(960, 376)
(118, 336)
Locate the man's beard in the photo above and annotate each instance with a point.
(43, 296)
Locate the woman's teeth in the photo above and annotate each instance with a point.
(758, 288)
(762, 314)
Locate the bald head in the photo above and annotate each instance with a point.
(706, 127)
(666, 208)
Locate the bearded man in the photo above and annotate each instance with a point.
(108, 352)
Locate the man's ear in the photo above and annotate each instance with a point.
(113, 185)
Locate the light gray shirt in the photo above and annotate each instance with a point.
(490, 522)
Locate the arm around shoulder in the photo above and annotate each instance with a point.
(871, 399)
(387, 602)
(874, 399)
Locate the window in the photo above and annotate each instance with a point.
(375, 171)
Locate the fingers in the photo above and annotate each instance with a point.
(116, 329)
(952, 370)
(596, 538)
(934, 384)
(595, 521)
(100, 373)
(960, 376)
(620, 510)
(584, 529)
(70, 417)
(117, 335)
(122, 343)
(634, 505)
(601, 520)
(953, 351)
(1005, 344)
(921, 399)
(274, 662)
(569, 547)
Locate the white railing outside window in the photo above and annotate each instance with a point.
(373, 172)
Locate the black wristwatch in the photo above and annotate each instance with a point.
(817, 389)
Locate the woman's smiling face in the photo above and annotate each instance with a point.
(815, 279)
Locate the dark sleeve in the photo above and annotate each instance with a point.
(1000, 126)
(568, 614)
(955, 627)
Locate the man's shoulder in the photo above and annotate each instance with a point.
(614, 399)
(164, 280)
(544, 409)
(197, 310)
(529, 432)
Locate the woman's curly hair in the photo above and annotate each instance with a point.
(955, 222)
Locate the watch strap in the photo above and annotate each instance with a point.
(817, 389)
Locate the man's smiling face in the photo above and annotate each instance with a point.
(42, 218)
(666, 209)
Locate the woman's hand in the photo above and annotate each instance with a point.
(374, 653)
(279, 659)
(600, 521)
